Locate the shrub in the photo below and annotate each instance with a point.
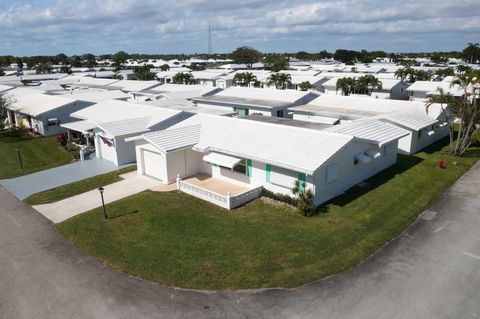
(74, 150)
(304, 199)
(280, 197)
(62, 139)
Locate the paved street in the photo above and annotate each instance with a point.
(26, 185)
(430, 271)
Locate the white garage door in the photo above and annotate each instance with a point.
(153, 164)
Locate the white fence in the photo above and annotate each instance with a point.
(226, 201)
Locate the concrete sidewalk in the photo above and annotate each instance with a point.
(69, 207)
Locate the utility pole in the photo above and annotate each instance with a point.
(209, 39)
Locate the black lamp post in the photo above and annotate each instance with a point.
(100, 189)
(19, 157)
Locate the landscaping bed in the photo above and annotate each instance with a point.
(179, 240)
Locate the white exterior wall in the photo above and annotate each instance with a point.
(258, 178)
(312, 118)
(141, 147)
(230, 108)
(184, 163)
(350, 174)
(104, 151)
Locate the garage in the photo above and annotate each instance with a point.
(152, 163)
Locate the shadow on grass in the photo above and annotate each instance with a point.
(437, 146)
(14, 136)
(124, 214)
(404, 163)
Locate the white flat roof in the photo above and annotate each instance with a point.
(79, 126)
(38, 103)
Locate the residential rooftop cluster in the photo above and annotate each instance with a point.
(244, 125)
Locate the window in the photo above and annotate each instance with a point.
(240, 111)
(280, 113)
(332, 172)
(241, 167)
(419, 134)
(282, 177)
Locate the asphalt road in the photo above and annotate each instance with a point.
(431, 271)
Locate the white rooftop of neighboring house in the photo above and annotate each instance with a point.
(356, 75)
(133, 85)
(4, 88)
(364, 106)
(95, 81)
(114, 110)
(370, 130)
(415, 119)
(39, 77)
(301, 150)
(170, 87)
(257, 97)
(127, 126)
(174, 138)
(95, 95)
(38, 103)
(288, 96)
(430, 87)
(300, 72)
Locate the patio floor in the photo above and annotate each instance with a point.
(215, 185)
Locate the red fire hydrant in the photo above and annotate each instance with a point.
(441, 164)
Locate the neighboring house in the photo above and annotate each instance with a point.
(424, 126)
(132, 85)
(245, 101)
(422, 90)
(126, 75)
(106, 125)
(238, 157)
(391, 89)
(40, 112)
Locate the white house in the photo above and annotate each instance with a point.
(391, 88)
(425, 125)
(228, 160)
(106, 125)
(245, 101)
(422, 90)
(40, 112)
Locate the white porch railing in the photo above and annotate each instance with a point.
(226, 201)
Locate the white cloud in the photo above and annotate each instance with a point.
(77, 26)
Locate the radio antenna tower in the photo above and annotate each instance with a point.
(209, 39)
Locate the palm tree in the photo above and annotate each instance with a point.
(305, 86)
(472, 47)
(244, 78)
(373, 83)
(164, 67)
(280, 80)
(183, 78)
(345, 85)
(463, 68)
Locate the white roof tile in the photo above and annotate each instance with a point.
(173, 139)
(299, 149)
(370, 130)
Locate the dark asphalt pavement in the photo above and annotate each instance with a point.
(431, 271)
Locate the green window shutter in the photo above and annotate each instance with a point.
(268, 169)
(249, 168)
(301, 179)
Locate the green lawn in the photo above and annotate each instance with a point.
(75, 188)
(37, 154)
(178, 240)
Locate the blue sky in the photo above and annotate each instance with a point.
(153, 26)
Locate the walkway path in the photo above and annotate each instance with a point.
(26, 185)
(430, 271)
(132, 184)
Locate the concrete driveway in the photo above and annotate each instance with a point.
(430, 271)
(132, 184)
(24, 186)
